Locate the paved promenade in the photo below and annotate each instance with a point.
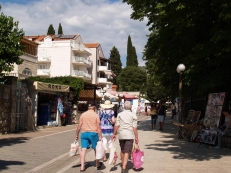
(164, 153)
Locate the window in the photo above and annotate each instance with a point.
(42, 66)
(27, 71)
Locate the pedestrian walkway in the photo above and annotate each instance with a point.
(164, 153)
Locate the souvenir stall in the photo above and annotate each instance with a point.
(53, 102)
(212, 117)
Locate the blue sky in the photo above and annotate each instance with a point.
(103, 21)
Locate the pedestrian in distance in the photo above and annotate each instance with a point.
(161, 110)
(173, 111)
(153, 116)
(89, 123)
(126, 128)
(107, 121)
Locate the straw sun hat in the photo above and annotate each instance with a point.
(107, 104)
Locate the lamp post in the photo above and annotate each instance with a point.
(180, 69)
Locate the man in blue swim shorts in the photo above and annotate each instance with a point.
(89, 123)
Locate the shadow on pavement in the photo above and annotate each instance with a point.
(12, 141)
(4, 164)
(182, 149)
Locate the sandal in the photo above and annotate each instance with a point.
(100, 165)
(82, 170)
(105, 160)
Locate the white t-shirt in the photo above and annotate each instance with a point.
(126, 120)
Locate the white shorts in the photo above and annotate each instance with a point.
(160, 118)
(107, 142)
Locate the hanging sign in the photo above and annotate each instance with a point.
(51, 87)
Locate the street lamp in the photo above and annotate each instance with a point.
(180, 69)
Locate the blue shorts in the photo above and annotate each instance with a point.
(89, 138)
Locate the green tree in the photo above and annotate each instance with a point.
(189, 32)
(60, 29)
(135, 57)
(51, 30)
(10, 37)
(116, 65)
(132, 79)
(131, 54)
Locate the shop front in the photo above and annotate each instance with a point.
(53, 104)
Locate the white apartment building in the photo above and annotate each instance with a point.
(101, 69)
(63, 55)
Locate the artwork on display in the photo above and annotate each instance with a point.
(213, 114)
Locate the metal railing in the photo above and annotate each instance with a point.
(81, 59)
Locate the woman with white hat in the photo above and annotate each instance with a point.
(107, 120)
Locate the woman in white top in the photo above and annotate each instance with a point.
(225, 128)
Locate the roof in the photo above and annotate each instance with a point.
(27, 41)
(87, 95)
(54, 37)
(92, 45)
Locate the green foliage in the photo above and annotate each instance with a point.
(116, 65)
(60, 29)
(131, 54)
(189, 32)
(51, 30)
(76, 84)
(132, 79)
(135, 57)
(10, 49)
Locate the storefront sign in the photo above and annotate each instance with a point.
(51, 87)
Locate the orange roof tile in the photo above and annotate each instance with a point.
(92, 45)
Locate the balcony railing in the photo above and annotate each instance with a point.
(77, 59)
(43, 72)
(103, 80)
(81, 74)
(81, 48)
(103, 68)
(44, 59)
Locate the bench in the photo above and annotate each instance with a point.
(190, 124)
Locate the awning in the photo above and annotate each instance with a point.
(41, 86)
(87, 95)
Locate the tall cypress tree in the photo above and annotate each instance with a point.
(135, 57)
(60, 29)
(51, 30)
(116, 65)
(131, 54)
(130, 61)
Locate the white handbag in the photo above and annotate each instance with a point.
(112, 154)
(74, 148)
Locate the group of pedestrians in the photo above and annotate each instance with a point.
(104, 127)
(158, 113)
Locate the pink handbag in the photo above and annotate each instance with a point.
(137, 158)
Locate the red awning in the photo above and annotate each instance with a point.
(125, 95)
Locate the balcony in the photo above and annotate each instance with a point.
(44, 60)
(81, 74)
(81, 48)
(102, 80)
(103, 68)
(43, 72)
(81, 61)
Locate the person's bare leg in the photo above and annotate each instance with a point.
(96, 161)
(125, 160)
(122, 157)
(82, 157)
(104, 158)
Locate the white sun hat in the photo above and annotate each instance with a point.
(107, 104)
